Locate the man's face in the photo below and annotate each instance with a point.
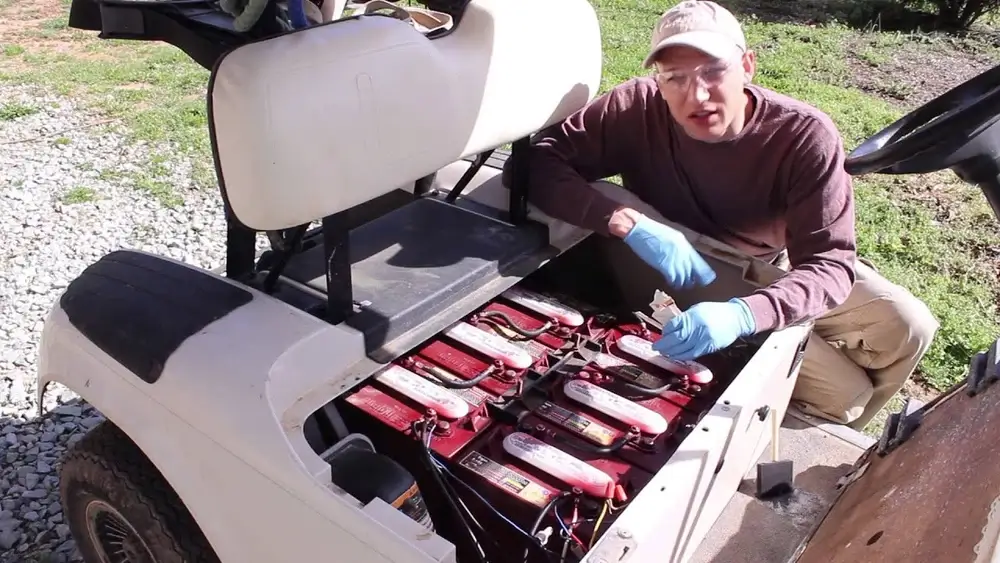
(705, 95)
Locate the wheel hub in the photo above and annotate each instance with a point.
(116, 540)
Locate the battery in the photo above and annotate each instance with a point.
(641, 349)
(500, 315)
(464, 366)
(399, 399)
(507, 479)
(490, 345)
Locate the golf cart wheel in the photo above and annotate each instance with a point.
(120, 509)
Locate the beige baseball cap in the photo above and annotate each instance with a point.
(699, 24)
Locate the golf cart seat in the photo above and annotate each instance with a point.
(319, 123)
(316, 121)
(314, 124)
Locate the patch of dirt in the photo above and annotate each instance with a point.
(805, 12)
(35, 26)
(24, 15)
(910, 73)
(918, 391)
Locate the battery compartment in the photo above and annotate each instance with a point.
(533, 421)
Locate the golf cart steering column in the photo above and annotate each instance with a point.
(959, 130)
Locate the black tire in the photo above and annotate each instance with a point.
(109, 488)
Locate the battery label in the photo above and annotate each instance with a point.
(626, 370)
(383, 408)
(454, 360)
(633, 374)
(507, 479)
(474, 396)
(582, 425)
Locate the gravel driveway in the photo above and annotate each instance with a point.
(61, 208)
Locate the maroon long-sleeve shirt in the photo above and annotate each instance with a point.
(780, 184)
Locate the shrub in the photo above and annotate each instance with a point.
(950, 16)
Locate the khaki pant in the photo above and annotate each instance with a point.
(859, 355)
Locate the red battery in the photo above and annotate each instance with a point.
(464, 365)
(643, 429)
(542, 451)
(515, 484)
(628, 355)
(400, 398)
(499, 316)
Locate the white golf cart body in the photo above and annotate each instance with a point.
(214, 379)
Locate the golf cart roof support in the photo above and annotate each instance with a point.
(519, 182)
(337, 254)
(241, 243)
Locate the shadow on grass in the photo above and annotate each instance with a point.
(868, 15)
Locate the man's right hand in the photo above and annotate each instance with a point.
(663, 248)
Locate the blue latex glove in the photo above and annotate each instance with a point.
(668, 251)
(705, 328)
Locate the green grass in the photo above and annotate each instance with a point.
(15, 110)
(154, 90)
(159, 94)
(79, 194)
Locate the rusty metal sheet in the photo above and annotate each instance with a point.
(927, 501)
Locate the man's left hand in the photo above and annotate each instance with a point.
(705, 328)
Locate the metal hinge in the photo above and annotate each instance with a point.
(900, 426)
(983, 371)
(800, 354)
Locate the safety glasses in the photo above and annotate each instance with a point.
(709, 75)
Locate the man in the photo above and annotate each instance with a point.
(762, 172)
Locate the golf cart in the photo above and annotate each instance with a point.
(421, 367)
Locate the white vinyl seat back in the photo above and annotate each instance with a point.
(320, 120)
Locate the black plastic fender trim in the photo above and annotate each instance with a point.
(140, 308)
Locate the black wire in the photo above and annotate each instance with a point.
(487, 503)
(541, 518)
(567, 534)
(529, 537)
(438, 478)
(650, 391)
(582, 446)
(452, 384)
(512, 325)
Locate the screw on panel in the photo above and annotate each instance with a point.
(624, 534)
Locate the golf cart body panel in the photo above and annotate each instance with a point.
(227, 420)
(929, 491)
(311, 123)
(213, 405)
